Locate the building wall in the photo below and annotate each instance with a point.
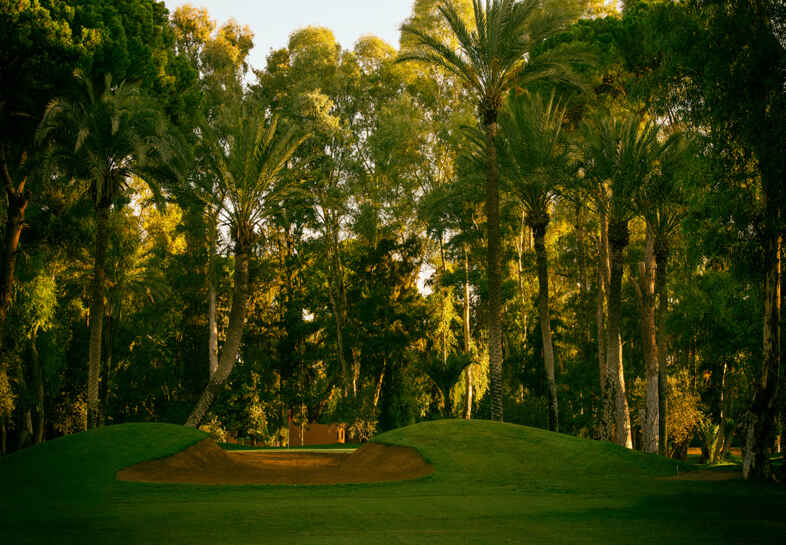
(316, 434)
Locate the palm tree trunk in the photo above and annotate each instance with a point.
(601, 338)
(761, 418)
(97, 310)
(618, 240)
(661, 304)
(17, 199)
(467, 338)
(237, 319)
(606, 390)
(494, 267)
(539, 226)
(645, 291)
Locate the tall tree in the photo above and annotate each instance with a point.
(37, 56)
(248, 158)
(106, 134)
(493, 52)
(535, 163)
(620, 156)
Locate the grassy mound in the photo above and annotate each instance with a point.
(79, 467)
(501, 454)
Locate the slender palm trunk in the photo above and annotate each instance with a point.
(539, 226)
(467, 338)
(237, 319)
(494, 267)
(760, 433)
(97, 311)
(661, 304)
(618, 240)
(606, 389)
(17, 199)
(645, 290)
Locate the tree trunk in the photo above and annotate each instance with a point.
(337, 296)
(606, 399)
(107, 354)
(494, 267)
(378, 389)
(645, 291)
(761, 418)
(97, 313)
(661, 305)
(467, 338)
(618, 240)
(17, 199)
(212, 322)
(38, 385)
(539, 225)
(237, 319)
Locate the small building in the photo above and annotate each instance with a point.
(303, 435)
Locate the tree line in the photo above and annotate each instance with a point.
(547, 212)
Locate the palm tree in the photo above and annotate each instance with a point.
(534, 161)
(621, 156)
(660, 204)
(493, 52)
(106, 134)
(247, 157)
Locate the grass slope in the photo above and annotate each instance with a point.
(493, 483)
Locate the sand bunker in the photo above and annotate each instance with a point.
(206, 463)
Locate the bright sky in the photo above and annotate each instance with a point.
(272, 21)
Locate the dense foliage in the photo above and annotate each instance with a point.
(543, 211)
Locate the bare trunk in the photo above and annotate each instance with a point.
(337, 297)
(97, 308)
(378, 389)
(645, 291)
(760, 433)
(521, 248)
(237, 319)
(494, 268)
(618, 240)
(661, 304)
(607, 401)
(467, 338)
(719, 443)
(212, 322)
(17, 199)
(539, 225)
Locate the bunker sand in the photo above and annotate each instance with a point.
(206, 463)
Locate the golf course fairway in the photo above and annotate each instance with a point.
(492, 483)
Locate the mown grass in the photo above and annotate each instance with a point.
(493, 483)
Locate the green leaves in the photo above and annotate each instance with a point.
(491, 56)
(247, 156)
(621, 156)
(533, 154)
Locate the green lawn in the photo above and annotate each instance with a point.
(493, 484)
